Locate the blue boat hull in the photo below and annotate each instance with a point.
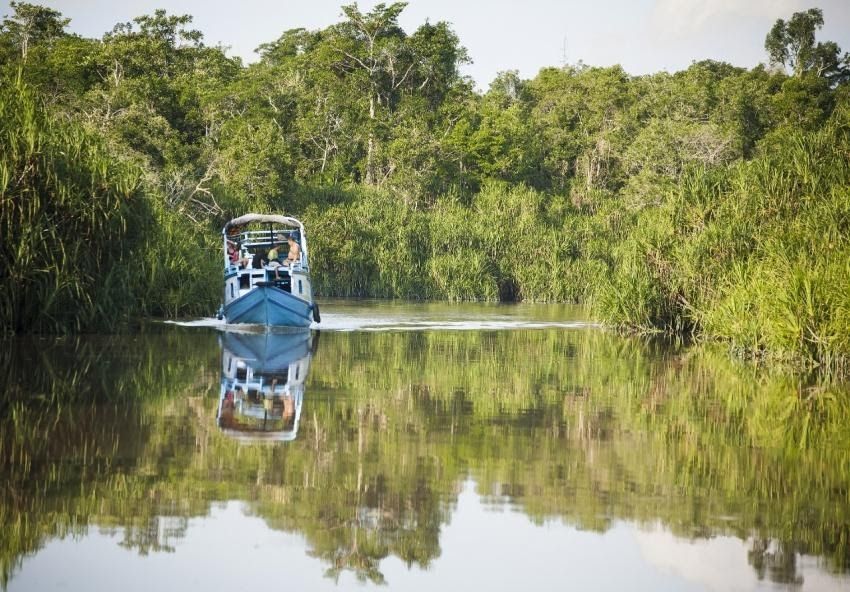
(269, 353)
(270, 306)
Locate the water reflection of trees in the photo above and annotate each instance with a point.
(580, 426)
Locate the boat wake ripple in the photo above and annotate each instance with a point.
(344, 322)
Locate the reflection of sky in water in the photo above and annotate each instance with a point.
(720, 563)
(484, 547)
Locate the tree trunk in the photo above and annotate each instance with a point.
(370, 147)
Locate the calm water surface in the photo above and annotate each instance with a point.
(418, 447)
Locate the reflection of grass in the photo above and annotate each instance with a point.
(585, 426)
(76, 413)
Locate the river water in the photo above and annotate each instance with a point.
(416, 447)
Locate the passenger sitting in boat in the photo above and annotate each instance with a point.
(273, 257)
(294, 255)
(257, 261)
(233, 255)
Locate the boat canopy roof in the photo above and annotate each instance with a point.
(274, 219)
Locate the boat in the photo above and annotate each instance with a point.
(262, 290)
(262, 384)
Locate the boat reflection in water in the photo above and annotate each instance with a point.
(262, 384)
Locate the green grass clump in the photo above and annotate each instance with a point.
(86, 244)
(754, 254)
(71, 223)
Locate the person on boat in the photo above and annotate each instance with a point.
(234, 256)
(294, 255)
(233, 243)
(273, 258)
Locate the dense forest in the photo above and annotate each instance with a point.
(714, 201)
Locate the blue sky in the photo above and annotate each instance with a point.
(642, 35)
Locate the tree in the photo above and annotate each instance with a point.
(303, 85)
(439, 54)
(31, 24)
(585, 115)
(374, 49)
(161, 49)
(792, 44)
(360, 85)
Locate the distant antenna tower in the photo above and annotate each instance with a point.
(564, 53)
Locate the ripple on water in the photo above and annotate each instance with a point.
(371, 316)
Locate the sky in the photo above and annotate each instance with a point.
(643, 36)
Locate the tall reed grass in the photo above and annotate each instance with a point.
(86, 244)
(70, 221)
(755, 254)
(507, 243)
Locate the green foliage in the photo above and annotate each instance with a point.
(756, 256)
(793, 44)
(71, 220)
(655, 198)
(507, 244)
(32, 25)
